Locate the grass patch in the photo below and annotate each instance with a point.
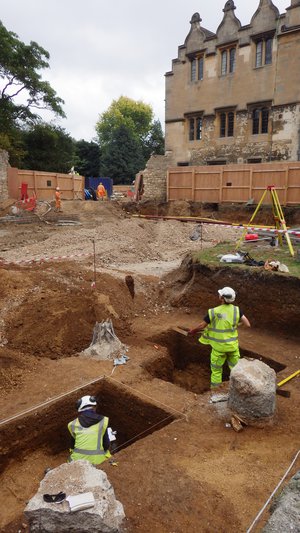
(259, 252)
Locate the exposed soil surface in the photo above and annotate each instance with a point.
(180, 468)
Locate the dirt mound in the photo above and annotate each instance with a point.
(14, 367)
(55, 310)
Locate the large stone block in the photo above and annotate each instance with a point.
(252, 392)
(286, 509)
(75, 478)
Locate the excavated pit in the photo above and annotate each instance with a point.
(129, 415)
(187, 364)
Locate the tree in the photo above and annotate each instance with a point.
(142, 133)
(87, 158)
(155, 142)
(123, 157)
(49, 148)
(136, 116)
(22, 90)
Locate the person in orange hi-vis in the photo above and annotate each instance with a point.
(57, 199)
(101, 192)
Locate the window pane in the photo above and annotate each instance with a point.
(200, 68)
(224, 63)
(269, 46)
(264, 120)
(193, 69)
(199, 129)
(230, 124)
(232, 60)
(222, 124)
(255, 121)
(192, 130)
(259, 47)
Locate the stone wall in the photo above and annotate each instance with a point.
(246, 148)
(3, 175)
(155, 177)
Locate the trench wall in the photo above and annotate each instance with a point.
(271, 301)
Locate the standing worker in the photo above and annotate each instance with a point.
(57, 199)
(89, 432)
(101, 191)
(219, 328)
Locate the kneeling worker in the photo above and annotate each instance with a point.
(89, 433)
(219, 328)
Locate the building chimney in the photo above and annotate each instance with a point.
(293, 14)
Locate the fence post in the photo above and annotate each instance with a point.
(168, 185)
(221, 185)
(250, 183)
(193, 184)
(287, 171)
(34, 182)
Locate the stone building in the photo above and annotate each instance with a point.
(234, 96)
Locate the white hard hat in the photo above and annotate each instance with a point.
(85, 402)
(57, 188)
(228, 294)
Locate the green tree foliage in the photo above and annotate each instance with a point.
(123, 157)
(155, 141)
(87, 158)
(144, 136)
(136, 116)
(48, 148)
(22, 91)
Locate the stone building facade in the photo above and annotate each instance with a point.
(234, 96)
(3, 175)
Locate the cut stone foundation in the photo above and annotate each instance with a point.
(252, 392)
(75, 478)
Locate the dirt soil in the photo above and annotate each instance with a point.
(180, 466)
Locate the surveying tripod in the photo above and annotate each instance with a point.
(278, 216)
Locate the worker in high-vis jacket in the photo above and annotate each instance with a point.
(101, 191)
(57, 199)
(220, 330)
(89, 432)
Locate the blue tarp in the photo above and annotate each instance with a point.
(92, 183)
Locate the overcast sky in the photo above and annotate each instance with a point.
(102, 49)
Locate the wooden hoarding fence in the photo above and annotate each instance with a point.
(235, 183)
(43, 184)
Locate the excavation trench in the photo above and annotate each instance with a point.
(187, 363)
(46, 427)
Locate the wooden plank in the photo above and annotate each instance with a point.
(180, 330)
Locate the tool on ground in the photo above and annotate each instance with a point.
(181, 330)
(285, 393)
(297, 373)
(282, 392)
(279, 220)
(216, 398)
